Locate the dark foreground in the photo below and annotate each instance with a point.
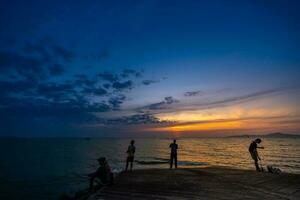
(204, 183)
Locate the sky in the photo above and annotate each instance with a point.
(149, 68)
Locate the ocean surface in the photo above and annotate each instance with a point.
(44, 168)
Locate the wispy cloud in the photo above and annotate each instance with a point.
(148, 82)
(165, 104)
(193, 93)
(227, 101)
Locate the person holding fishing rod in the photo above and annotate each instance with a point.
(254, 154)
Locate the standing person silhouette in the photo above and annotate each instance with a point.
(173, 155)
(254, 154)
(130, 155)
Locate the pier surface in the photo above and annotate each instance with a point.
(200, 183)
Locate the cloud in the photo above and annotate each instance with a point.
(95, 91)
(56, 70)
(122, 81)
(84, 80)
(131, 72)
(31, 93)
(7, 88)
(116, 101)
(106, 85)
(193, 93)
(244, 98)
(25, 66)
(55, 91)
(148, 82)
(123, 85)
(63, 53)
(161, 105)
(108, 76)
(228, 101)
(135, 120)
(36, 60)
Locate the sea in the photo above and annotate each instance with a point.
(46, 168)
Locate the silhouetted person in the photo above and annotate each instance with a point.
(254, 154)
(130, 155)
(103, 173)
(173, 155)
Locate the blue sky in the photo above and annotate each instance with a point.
(118, 68)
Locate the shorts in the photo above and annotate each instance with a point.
(253, 155)
(130, 158)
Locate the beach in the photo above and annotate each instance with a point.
(201, 183)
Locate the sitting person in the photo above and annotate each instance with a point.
(103, 173)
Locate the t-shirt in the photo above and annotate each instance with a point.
(174, 148)
(131, 150)
(253, 147)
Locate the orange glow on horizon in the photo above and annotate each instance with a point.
(235, 118)
(201, 126)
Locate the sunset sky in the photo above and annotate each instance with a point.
(141, 68)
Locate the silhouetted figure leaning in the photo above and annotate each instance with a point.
(130, 155)
(103, 173)
(173, 155)
(254, 154)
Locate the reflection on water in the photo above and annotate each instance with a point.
(39, 167)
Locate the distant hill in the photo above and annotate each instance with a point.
(281, 135)
(270, 135)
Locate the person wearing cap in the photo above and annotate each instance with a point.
(253, 152)
(130, 155)
(103, 173)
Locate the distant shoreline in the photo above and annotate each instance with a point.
(269, 135)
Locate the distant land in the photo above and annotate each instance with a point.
(270, 135)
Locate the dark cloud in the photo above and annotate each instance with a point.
(55, 91)
(106, 85)
(98, 91)
(84, 80)
(193, 93)
(25, 66)
(148, 82)
(108, 76)
(131, 72)
(63, 53)
(30, 97)
(36, 60)
(39, 49)
(116, 101)
(13, 88)
(48, 51)
(123, 85)
(56, 70)
(135, 120)
(162, 105)
(123, 81)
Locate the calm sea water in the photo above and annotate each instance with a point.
(45, 168)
